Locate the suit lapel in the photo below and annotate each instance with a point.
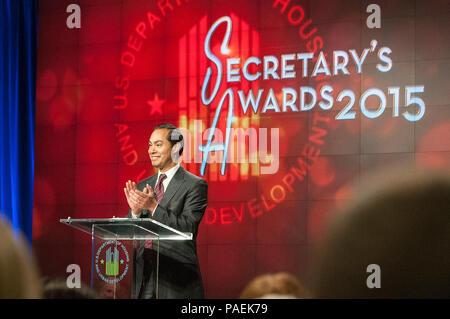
(153, 181)
(174, 185)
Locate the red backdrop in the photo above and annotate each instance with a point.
(134, 64)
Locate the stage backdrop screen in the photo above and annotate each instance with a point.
(285, 106)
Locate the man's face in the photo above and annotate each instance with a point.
(159, 149)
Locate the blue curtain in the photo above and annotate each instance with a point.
(18, 42)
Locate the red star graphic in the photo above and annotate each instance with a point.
(155, 105)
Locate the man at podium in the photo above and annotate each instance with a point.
(177, 199)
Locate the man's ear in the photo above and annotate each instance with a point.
(176, 147)
(176, 151)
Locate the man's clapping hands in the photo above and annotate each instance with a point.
(139, 200)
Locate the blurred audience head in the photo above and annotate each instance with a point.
(18, 272)
(394, 235)
(274, 286)
(56, 288)
(113, 291)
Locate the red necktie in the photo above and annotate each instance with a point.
(159, 190)
(159, 193)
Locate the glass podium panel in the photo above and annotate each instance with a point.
(115, 244)
(126, 228)
(112, 268)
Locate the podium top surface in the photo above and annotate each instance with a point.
(126, 229)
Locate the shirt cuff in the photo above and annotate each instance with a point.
(133, 216)
(154, 209)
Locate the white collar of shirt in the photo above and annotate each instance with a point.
(170, 174)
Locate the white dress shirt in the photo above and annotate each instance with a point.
(170, 174)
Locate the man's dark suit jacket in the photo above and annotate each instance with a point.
(182, 207)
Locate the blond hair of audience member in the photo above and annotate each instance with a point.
(275, 286)
(401, 223)
(18, 273)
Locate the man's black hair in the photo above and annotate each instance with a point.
(174, 135)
